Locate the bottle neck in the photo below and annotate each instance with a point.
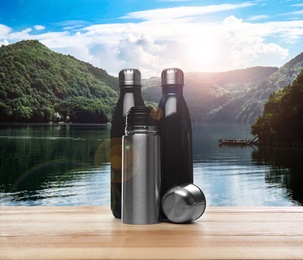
(141, 129)
(174, 89)
(131, 89)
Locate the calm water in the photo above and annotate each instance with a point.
(68, 165)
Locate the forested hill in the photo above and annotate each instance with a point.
(281, 122)
(39, 85)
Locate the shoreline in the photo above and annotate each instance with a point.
(52, 123)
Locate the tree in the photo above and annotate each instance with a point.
(35, 82)
(281, 122)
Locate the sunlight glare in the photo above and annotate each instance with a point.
(203, 54)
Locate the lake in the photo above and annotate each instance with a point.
(58, 165)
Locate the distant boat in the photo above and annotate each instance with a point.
(240, 142)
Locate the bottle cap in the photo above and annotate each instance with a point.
(172, 76)
(129, 77)
(183, 203)
(141, 116)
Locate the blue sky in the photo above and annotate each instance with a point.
(152, 35)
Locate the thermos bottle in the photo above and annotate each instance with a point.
(175, 131)
(130, 95)
(141, 173)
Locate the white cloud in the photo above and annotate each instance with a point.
(18, 36)
(39, 27)
(183, 11)
(258, 17)
(173, 1)
(229, 45)
(71, 24)
(4, 30)
(152, 44)
(294, 12)
(288, 31)
(4, 42)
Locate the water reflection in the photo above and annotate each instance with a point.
(44, 162)
(285, 169)
(69, 165)
(244, 176)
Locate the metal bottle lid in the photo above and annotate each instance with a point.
(172, 76)
(141, 116)
(129, 77)
(183, 203)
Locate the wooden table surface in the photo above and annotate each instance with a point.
(92, 233)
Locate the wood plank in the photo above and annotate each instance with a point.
(92, 233)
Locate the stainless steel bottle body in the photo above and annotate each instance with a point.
(141, 179)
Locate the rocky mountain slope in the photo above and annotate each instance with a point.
(232, 96)
(249, 106)
(208, 93)
(39, 85)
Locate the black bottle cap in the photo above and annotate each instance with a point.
(141, 116)
(129, 77)
(172, 76)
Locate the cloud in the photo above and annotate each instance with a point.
(39, 27)
(183, 11)
(299, 12)
(173, 1)
(289, 32)
(232, 44)
(4, 30)
(152, 44)
(71, 24)
(18, 36)
(258, 17)
(4, 42)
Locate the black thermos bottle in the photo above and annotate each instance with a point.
(175, 132)
(130, 96)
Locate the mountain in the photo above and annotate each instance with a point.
(281, 122)
(208, 93)
(39, 85)
(247, 107)
(232, 96)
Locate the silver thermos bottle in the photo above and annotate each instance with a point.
(141, 173)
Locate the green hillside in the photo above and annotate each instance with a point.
(281, 122)
(39, 85)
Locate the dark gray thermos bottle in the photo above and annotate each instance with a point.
(175, 131)
(130, 95)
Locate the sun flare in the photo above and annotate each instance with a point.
(203, 55)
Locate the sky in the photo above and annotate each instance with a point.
(194, 35)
